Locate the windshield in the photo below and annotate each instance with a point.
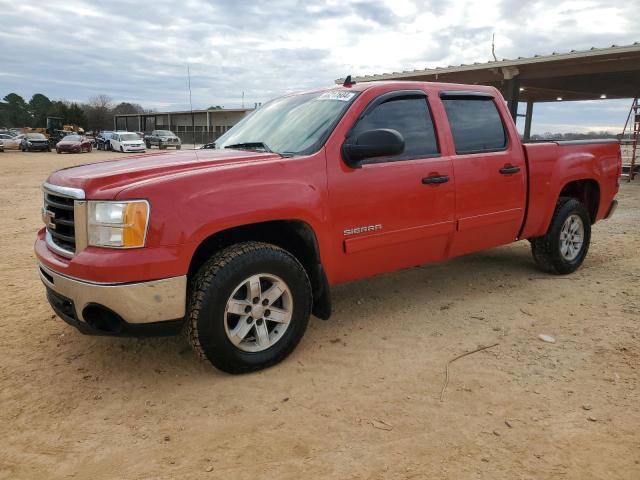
(164, 133)
(73, 138)
(297, 124)
(36, 136)
(129, 136)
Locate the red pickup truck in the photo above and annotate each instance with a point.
(241, 244)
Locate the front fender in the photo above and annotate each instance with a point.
(190, 206)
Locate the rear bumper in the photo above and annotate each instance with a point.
(612, 209)
(146, 308)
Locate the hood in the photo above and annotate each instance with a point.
(104, 180)
(69, 143)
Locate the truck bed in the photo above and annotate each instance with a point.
(553, 165)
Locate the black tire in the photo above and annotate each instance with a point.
(148, 144)
(121, 149)
(546, 250)
(214, 284)
(178, 147)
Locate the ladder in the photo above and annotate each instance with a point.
(629, 141)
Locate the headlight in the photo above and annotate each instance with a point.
(118, 224)
(28, 142)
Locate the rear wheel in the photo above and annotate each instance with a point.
(249, 307)
(565, 245)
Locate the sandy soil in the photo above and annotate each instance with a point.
(359, 398)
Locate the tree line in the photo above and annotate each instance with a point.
(573, 136)
(95, 114)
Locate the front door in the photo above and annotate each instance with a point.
(393, 212)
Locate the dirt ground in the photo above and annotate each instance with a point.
(360, 397)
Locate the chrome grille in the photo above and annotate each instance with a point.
(58, 216)
(64, 214)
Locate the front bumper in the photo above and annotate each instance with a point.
(152, 307)
(133, 149)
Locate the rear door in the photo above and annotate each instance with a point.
(490, 172)
(393, 212)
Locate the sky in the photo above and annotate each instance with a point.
(138, 51)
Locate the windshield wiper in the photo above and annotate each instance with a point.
(251, 146)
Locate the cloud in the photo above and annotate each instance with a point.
(139, 52)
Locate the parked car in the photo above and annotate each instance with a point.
(11, 142)
(163, 139)
(102, 141)
(241, 244)
(74, 144)
(126, 142)
(35, 142)
(208, 146)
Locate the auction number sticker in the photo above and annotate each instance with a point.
(337, 95)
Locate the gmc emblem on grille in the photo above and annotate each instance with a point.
(47, 218)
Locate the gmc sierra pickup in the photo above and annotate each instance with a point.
(241, 244)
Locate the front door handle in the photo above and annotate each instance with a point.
(435, 179)
(509, 169)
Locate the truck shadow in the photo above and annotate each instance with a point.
(467, 278)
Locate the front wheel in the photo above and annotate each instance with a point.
(565, 245)
(178, 147)
(249, 306)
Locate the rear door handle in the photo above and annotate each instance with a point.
(435, 179)
(508, 169)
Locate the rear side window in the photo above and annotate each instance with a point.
(410, 117)
(475, 124)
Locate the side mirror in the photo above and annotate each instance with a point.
(381, 142)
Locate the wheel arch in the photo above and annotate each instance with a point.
(295, 236)
(587, 191)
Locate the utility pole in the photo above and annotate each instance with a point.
(193, 122)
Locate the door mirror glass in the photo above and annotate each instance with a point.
(379, 142)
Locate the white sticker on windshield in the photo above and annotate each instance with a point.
(340, 95)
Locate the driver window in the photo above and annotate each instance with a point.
(410, 117)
